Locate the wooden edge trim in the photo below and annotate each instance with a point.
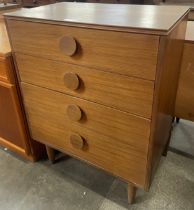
(5, 54)
(186, 15)
(5, 84)
(161, 48)
(90, 26)
(101, 27)
(5, 62)
(3, 79)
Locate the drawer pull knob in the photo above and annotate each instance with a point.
(71, 81)
(74, 112)
(77, 141)
(68, 45)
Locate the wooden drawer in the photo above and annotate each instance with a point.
(119, 91)
(113, 140)
(124, 53)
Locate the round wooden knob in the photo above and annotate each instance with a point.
(68, 45)
(74, 112)
(71, 81)
(77, 141)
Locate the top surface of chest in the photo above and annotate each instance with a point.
(148, 17)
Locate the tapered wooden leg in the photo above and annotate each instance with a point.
(51, 154)
(131, 193)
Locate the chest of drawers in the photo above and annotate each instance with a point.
(98, 88)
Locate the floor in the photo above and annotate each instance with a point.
(73, 185)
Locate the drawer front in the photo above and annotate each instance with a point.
(119, 91)
(124, 53)
(112, 140)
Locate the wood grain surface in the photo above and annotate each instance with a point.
(118, 147)
(125, 87)
(160, 19)
(185, 94)
(169, 62)
(5, 70)
(13, 128)
(123, 53)
(115, 90)
(10, 116)
(5, 49)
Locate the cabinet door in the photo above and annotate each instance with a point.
(11, 128)
(5, 70)
(185, 94)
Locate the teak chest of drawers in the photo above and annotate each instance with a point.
(98, 88)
